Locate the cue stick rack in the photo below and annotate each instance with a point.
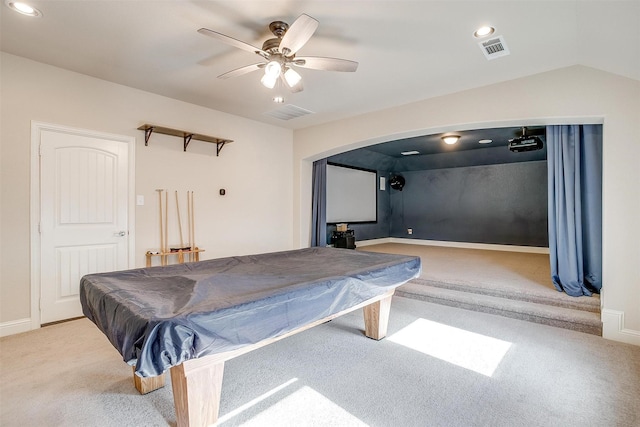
(184, 252)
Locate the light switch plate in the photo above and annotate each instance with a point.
(139, 200)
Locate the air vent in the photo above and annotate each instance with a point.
(494, 48)
(288, 112)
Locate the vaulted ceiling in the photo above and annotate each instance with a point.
(406, 50)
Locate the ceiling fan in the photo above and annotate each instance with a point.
(279, 54)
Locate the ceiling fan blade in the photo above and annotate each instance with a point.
(293, 89)
(298, 34)
(326, 64)
(233, 42)
(242, 70)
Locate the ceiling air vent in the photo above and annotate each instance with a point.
(494, 48)
(288, 112)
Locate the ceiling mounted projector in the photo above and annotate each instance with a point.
(525, 143)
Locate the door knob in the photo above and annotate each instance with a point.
(120, 234)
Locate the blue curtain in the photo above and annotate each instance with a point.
(574, 158)
(319, 204)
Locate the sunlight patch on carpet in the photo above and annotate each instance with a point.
(255, 401)
(469, 350)
(305, 406)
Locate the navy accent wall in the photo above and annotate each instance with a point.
(497, 204)
(487, 195)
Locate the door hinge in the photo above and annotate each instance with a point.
(39, 229)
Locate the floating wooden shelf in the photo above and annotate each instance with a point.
(186, 136)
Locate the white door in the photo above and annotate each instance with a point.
(83, 215)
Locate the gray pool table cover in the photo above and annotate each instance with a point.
(159, 317)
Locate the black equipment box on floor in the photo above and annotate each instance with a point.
(343, 239)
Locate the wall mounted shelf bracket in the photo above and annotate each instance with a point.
(186, 136)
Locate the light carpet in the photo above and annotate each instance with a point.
(498, 269)
(439, 366)
(512, 284)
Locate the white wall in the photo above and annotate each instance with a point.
(256, 214)
(256, 169)
(571, 95)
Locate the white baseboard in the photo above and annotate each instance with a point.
(373, 242)
(613, 328)
(462, 245)
(15, 327)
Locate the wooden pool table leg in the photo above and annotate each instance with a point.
(148, 384)
(197, 383)
(376, 318)
(196, 393)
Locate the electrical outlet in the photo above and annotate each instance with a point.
(409, 230)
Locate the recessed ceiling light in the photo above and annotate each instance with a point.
(483, 31)
(485, 141)
(23, 8)
(409, 153)
(450, 139)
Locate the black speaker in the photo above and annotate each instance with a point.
(343, 239)
(397, 182)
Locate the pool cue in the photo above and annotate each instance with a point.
(160, 212)
(189, 222)
(166, 221)
(179, 221)
(193, 221)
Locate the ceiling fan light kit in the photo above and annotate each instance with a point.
(273, 69)
(269, 81)
(292, 77)
(279, 54)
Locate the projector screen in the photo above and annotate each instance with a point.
(351, 195)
